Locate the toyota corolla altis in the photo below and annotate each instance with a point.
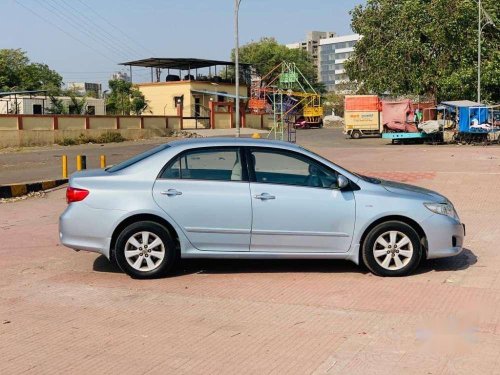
(250, 198)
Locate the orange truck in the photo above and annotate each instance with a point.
(362, 115)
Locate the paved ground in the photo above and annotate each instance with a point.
(39, 163)
(31, 164)
(62, 311)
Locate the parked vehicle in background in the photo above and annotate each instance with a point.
(361, 116)
(255, 199)
(302, 123)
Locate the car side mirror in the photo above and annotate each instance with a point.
(342, 182)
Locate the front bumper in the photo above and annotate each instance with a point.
(445, 236)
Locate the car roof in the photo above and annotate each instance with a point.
(229, 141)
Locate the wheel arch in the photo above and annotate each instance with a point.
(403, 219)
(142, 217)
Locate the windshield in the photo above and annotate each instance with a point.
(127, 163)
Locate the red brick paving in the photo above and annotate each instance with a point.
(68, 312)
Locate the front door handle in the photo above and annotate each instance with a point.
(264, 196)
(171, 192)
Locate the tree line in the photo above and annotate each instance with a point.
(18, 73)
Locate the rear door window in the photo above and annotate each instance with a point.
(221, 164)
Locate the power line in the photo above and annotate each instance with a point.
(113, 37)
(65, 32)
(117, 28)
(81, 27)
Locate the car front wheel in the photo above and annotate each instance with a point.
(356, 134)
(392, 248)
(145, 250)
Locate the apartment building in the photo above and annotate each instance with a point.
(333, 52)
(311, 44)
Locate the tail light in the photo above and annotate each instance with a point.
(75, 195)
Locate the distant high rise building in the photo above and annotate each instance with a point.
(121, 76)
(333, 52)
(311, 44)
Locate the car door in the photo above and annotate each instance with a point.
(207, 193)
(296, 204)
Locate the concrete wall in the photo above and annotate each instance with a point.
(31, 130)
(102, 123)
(155, 122)
(253, 121)
(222, 120)
(268, 121)
(130, 122)
(69, 122)
(8, 123)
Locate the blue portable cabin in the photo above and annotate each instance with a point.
(467, 111)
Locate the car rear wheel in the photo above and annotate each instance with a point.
(392, 248)
(145, 250)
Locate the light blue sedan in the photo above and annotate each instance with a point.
(250, 198)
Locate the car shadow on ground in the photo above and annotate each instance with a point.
(460, 262)
(232, 266)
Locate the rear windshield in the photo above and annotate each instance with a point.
(127, 163)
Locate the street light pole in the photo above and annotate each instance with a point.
(237, 66)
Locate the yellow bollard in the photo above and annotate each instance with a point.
(78, 162)
(64, 159)
(103, 161)
(256, 135)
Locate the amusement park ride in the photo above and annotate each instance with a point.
(286, 96)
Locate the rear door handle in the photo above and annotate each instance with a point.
(171, 192)
(264, 196)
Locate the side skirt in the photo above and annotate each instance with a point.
(352, 255)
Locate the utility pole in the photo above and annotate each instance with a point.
(237, 66)
(479, 52)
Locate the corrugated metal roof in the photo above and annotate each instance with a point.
(462, 103)
(8, 93)
(178, 63)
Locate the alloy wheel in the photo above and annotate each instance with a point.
(144, 251)
(393, 250)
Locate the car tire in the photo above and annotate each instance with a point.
(392, 248)
(356, 134)
(142, 260)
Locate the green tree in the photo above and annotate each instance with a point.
(265, 54)
(18, 73)
(425, 47)
(56, 107)
(138, 103)
(77, 106)
(125, 98)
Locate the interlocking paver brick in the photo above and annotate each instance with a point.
(68, 312)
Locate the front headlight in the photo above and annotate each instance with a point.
(446, 209)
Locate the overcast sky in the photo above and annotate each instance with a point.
(85, 39)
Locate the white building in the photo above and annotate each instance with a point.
(40, 105)
(333, 52)
(86, 88)
(121, 76)
(311, 44)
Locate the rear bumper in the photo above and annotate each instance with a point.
(445, 236)
(84, 228)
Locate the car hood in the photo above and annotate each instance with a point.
(406, 189)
